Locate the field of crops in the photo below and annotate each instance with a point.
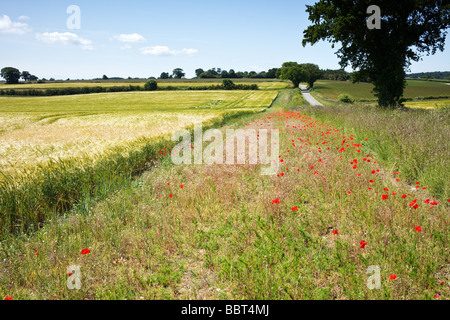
(330, 90)
(35, 130)
(264, 85)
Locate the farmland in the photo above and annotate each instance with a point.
(330, 90)
(262, 84)
(226, 232)
(34, 130)
(357, 186)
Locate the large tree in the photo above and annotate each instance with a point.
(178, 73)
(297, 73)
(409, 29)
(11, 75)
(294, 72)
(25, 75)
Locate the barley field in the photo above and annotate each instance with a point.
(36, 130)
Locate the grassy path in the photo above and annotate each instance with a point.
(226, 232)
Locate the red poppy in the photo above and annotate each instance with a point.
(69, 274)
(36, 252)
(384, 196)
(276, 201)
(371, 181)
(362, 244)
(437, 297)
(85, 251)
(392, 277)
(170, 195)
(8, 298)
(418, 229)
(335, 232)
(294, 209)
(404, 196)
(182, 186)
(349, 192)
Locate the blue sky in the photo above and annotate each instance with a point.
(144, 38)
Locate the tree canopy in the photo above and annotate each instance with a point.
(11, 75)
(408, 30)
(178, 73)
(297, 73)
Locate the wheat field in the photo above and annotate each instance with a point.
(35, 130)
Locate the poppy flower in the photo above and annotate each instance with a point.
(437, 296)
(335, 232)
(8, 298)
(371, 181)
(404, 196)
(170, 195)
(392, 277)
(362, 244)
(276, 201)
(69, 274)
(349, 192)
(36, 252)
(294, 209)
(384, 196)
(418, 229)
(85, 251)
(182, 186)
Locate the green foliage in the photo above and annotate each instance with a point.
(11, 75)
(228, 84)
(408, 29)
(345, 98)
(164, 75)
(178, 73)
(298, 73)
(151, 85)
(25, 75)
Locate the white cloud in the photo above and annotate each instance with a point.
(65, 38)
(132, 38)
(23, 18)
(165, 51)
(189, 51)
(8, 26)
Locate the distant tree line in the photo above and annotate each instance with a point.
(151, 85)
(213, 73)
(13, 75)
(338, 75)
(430, 75)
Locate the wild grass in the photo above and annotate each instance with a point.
(414, 141)
(222, 235)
